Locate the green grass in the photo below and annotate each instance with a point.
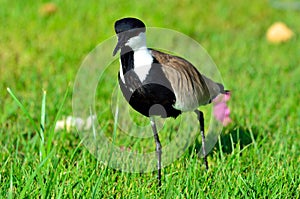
(257, 156)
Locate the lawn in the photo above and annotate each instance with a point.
(257, 155)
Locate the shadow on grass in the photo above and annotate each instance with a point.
(238, 136)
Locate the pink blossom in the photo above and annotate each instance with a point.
(221, 110)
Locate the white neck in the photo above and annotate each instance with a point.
(141, 55)
(142, 63)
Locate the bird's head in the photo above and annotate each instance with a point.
(131, 33)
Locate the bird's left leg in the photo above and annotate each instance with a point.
(158, 149)
(201, 122)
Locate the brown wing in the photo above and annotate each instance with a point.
(190, 87)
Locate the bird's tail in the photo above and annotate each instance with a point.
(222, 90)
(226, 92)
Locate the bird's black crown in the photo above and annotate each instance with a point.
(127, 24)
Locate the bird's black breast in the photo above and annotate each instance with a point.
(153, 96)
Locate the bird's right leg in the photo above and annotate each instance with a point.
(158, 149)
(201, 122)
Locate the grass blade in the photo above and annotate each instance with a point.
(43, 116)
(10, 192)
(33, 175)
(24, 110)
(50, 138)
(42, 127)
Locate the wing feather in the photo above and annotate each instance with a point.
(191, 88)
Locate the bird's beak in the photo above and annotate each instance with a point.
(120, 44)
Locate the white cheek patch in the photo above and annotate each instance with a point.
(137, 42)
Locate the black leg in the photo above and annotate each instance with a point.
(201, 122)
(158, 149)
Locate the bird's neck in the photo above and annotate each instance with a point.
(132, 59)
(142, 58)
(136, 56)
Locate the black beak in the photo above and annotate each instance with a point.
(120, 44)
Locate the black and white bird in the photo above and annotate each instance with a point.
(159, 84)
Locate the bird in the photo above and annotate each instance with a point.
(155, 83)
